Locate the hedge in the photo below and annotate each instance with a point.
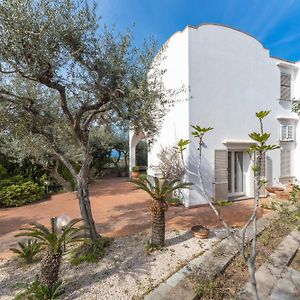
(20, 194)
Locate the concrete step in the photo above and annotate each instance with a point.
(271, 272)
(288, 286)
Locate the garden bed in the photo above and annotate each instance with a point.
(233, 279)
(127, 271)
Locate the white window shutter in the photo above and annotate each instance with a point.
(290, 132)
(285, 163)
(285, 84)
(283, 132)
(221, 174)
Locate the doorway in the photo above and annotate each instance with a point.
(235, 173)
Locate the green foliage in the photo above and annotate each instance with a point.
(135, 169)
(3, 172)
(295, 194)
(20, 194)
(18, 179)
(224, 202)
(143, 177)
(204, 289)
(260, 147)
(200, 131)
(259, 137)
(182, 145)
(66, 174)
(38, 291)
(262, 114)
(160, 191)
(150, 248)
(141, 153)
(52, 239)
(27, 251)
(90, 251)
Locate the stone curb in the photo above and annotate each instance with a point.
(271, 271)
(209, 265)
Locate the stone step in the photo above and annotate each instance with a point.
(270, 272)
(209, 265)
(288, 286)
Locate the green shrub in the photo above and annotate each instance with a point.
(27, 251)
(143, 177)
(38, 291)
(135, 169)
(12, 180)
(3, 172)
(20, 194)
(90, 251)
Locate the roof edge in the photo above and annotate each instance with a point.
(241, 31)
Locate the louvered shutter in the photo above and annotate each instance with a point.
(290, 132)
(284, 131)
(285, 86)
(221, 174)
(285, 163)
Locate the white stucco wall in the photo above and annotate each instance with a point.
(175, 124)
(230, 76)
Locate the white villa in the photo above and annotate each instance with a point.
(230, 76)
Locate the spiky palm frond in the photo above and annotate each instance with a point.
(38, 291)
(27, 250)
(51, 238)
(160, 191)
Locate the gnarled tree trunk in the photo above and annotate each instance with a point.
(85, 207)
(83, 197)
(60, 180)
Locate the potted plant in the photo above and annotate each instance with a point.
(135, 172)
(200, 231)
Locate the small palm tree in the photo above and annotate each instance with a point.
(53, 243)
(27, 250)
(160, 192)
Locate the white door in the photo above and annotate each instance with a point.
(235, 173)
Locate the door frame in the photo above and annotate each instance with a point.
(232, 179)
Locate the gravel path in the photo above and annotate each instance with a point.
(126, 271)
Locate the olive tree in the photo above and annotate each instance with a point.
(62, 75)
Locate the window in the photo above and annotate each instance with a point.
(285, 90)
(285, 163)
(287, 133)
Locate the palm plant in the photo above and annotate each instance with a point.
(160, 192)
(37, 291)
(53, 243)
(27, 250)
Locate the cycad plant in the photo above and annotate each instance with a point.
(53, 243)
(160, 192)
(27, 250)
(37, 291)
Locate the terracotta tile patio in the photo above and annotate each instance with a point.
(118, 208)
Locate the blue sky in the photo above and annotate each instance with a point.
(275, 23)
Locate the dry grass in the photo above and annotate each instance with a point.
(228, 284)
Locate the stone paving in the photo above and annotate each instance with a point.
(288, 286)
(274, 278)
(119, 209)
(208, 265)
